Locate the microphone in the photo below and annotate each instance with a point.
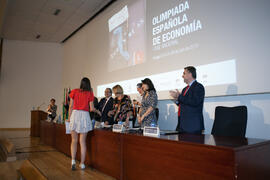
(40, 105)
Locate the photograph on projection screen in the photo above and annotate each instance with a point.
(127, 36)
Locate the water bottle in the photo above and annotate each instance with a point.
(93, 123)
(59, 120)
(130, 124)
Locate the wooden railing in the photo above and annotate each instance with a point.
(7, 150)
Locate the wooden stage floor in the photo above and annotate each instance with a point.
(53, 164)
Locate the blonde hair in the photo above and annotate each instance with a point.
(117, 89)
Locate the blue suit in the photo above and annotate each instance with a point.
(191, 113)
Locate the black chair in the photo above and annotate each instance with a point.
(230, 121)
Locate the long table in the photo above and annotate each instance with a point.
(182, 156)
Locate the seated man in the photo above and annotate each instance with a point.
(105, 105)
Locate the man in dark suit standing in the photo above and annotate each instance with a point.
(105, 105)
(190, 103)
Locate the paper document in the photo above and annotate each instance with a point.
(67, 128)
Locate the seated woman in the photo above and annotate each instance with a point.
(51, 110)
(122, 106)
(147, 114)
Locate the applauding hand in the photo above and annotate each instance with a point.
(174, 94)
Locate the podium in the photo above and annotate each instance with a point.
(36, 117)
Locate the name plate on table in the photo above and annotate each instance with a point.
(151, 131)
(118, 128)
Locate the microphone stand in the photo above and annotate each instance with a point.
(40, 105)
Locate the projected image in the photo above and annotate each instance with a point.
(127, 36)
(224, 40)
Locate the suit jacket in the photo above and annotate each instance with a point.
(108, 107)
(191, 113)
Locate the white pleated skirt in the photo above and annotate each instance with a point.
(80, 121)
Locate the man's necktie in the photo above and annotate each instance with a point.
(179, 107)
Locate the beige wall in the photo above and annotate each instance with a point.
(83, 55)
(31, 74)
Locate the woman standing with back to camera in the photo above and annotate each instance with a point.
(79, 118)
